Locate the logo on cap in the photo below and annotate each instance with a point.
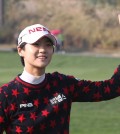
(38, 29)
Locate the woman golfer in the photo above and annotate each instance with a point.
(36, 102)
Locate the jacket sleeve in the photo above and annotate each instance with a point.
(92, 91)
(3, 111)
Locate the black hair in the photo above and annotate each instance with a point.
(22, 60)
(22, 46)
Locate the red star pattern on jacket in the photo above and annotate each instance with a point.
(15, 92)
(36, 102)
(18, 130)
(30, 130)
(26, 91)
(107, 89)
(33, 116)
(42, 127)
(118, 90)
(45, 113)
(45, 107)
(56, 108)
(97, 96)
(1, 119)
(12, 106)
(21, 118)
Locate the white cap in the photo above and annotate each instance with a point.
(33, 33)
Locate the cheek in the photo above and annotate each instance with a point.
(51, 52)
(29, 53)
(31, 50)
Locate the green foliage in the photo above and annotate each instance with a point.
(6, 34)
(86, 24)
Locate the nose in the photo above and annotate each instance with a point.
(42, 48)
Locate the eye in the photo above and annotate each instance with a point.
(35, 44)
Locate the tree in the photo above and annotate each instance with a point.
(1, 13)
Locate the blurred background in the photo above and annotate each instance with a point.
(86, 25)
(80, 26)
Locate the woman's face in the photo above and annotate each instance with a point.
(37, 55)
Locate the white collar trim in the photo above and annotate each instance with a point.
(29, 78)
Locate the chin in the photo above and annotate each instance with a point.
(42, 66)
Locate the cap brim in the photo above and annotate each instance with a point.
(32, 39)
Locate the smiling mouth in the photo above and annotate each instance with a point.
(42, 57)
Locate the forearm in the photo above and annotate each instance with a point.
(98, 90)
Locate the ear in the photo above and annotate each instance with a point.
(20, 51)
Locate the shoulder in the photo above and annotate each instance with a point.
(56, 75)
(60, 76)
(8, 86)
